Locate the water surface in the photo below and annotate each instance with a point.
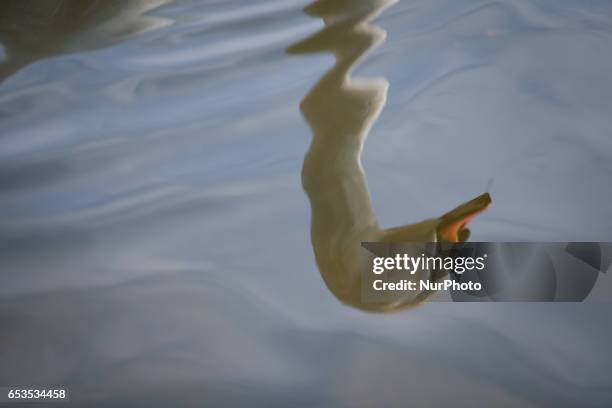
(154, 229)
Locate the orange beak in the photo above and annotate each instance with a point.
(453, 224)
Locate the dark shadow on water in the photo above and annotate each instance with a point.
(31, 30)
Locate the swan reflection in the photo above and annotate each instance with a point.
(340, 111)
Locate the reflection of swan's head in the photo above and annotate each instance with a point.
(450, 227)
(340, 111)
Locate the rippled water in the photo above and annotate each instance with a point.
(154, 229)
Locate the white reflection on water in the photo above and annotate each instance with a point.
(153, 227)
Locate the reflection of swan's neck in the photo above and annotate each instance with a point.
(340, 112)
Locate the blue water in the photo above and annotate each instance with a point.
(155, 237)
